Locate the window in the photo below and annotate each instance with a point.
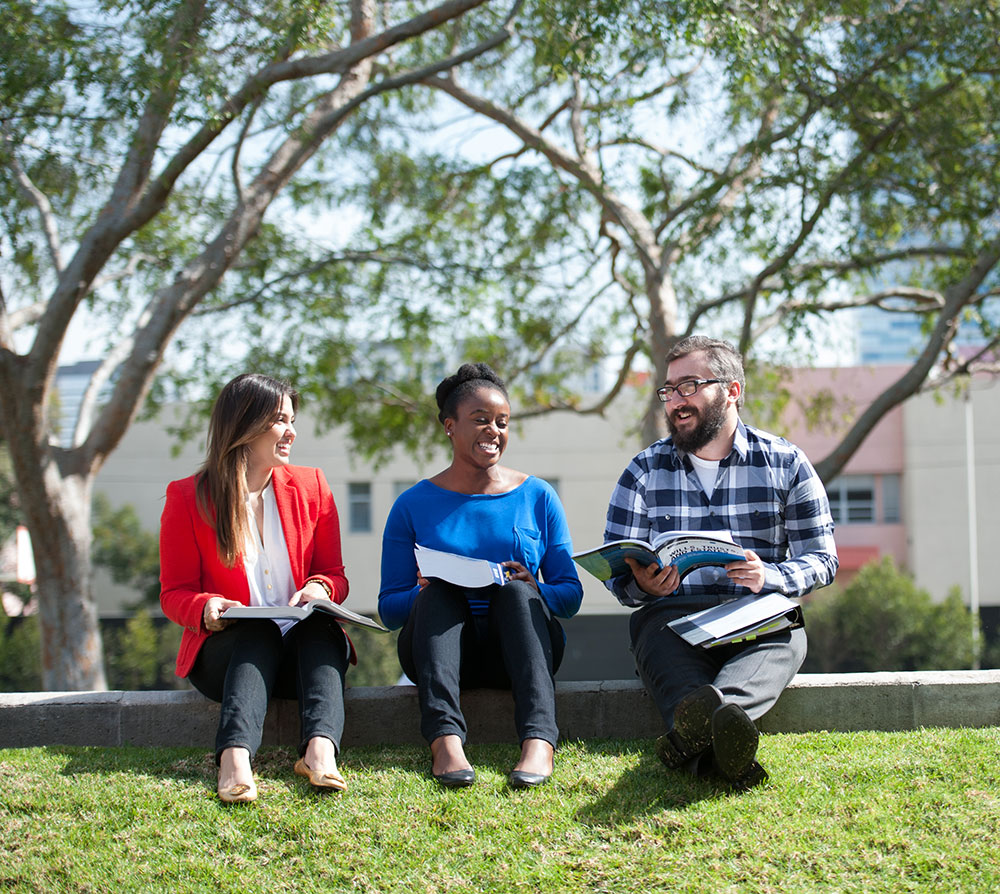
(861, 499)
(891, 487)
(359, 503)
(852, 499)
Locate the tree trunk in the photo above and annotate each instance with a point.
(72, 654)
(662, 337)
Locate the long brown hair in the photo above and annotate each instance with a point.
(245, 408)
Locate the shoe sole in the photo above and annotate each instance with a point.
(734, 744)
(693, 718)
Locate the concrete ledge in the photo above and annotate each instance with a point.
(597, 709)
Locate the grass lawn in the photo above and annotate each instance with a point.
(865, 812)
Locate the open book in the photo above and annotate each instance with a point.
(686, 550)
(738, 620)
(298, 612)
(460, 570)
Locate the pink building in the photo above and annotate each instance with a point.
(866, 497)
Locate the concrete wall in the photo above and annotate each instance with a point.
(614, 709)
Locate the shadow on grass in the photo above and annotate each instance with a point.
(646, 788)
(272, 762)
(181, 764)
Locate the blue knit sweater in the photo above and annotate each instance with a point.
(526, 524)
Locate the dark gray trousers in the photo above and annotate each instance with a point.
(751, 675)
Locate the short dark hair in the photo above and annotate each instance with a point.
(724, 360)
(452, 390)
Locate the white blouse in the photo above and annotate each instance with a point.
(268, 568)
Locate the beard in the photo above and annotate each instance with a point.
(710, 423)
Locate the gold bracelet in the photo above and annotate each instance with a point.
(323, 584)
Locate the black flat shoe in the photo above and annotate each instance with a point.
(734, 747)
(523, 779)
(692, 732)
(456, 778)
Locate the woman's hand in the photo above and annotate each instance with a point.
(653, 579)
(516, 571)
(211, 615)
(312, 591)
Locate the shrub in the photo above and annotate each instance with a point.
(20, 655)
(883, 621)
(377, 662)
(141, 653)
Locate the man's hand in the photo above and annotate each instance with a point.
(749, 573)
(655, 580)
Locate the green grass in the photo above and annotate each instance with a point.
(864, 812)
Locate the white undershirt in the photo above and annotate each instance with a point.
(269, 571)
(708, 471)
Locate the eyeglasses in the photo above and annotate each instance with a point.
(684, 389)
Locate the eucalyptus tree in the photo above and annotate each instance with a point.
(155, 159)
(647, 170)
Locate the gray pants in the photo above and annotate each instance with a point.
(751, 675)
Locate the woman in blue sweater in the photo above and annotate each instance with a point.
(501, 636)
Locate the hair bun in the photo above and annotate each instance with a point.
(453, 388)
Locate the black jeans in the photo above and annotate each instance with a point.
(248, 662)
(518, 645)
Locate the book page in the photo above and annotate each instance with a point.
(459, 570)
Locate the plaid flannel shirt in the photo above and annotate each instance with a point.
(767, 494)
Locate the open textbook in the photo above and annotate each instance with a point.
(460, 570)
(686, 550)
(298, 612)
(738, 620)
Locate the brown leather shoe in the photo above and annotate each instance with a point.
(240, 793)
(317, 779)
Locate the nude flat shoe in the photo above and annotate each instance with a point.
(241, 793)
(327, 781)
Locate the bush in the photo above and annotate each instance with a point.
(138, 655)
(377, 662)
(141, 654)
(883, 621)
(20, 655)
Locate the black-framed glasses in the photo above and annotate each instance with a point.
(684, 389)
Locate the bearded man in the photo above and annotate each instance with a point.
(715, 473)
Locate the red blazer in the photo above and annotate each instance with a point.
(190, 568)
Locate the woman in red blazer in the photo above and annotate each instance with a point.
(250, 529)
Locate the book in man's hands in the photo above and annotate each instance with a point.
(738, 620)
(686, 550)
(460, 570)
(298, 612)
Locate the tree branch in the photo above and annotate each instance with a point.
(41, 203)
(113, 224)
(957, 296)
(176, 302)
(640, 233)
